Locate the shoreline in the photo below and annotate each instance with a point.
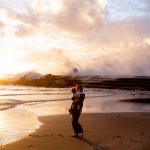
(102, 131)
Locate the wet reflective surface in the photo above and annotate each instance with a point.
(20, 106)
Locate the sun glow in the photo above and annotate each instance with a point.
(10, 62)
(55, 6)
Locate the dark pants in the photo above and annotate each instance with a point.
(75, 124)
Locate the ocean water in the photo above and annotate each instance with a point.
(21, 105)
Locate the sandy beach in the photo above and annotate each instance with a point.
(112, 131)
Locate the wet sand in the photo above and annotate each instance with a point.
(108, 131)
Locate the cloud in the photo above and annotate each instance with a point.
(130, 60)
(146, 41)
(23, 31)
(87, 19)
(78, 17)
(146, 6)
(75, 17)
(97, 44)
(124, 31)
(2, 26)
(24, 22)
(30, 17)
(53, 61)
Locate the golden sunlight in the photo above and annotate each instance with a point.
(55, 6)
(10, 62)
(3, 121)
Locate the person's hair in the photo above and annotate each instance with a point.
(73, 90)
(79, 87)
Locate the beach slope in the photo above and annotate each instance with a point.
(109, 131)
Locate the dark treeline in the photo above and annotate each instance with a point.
(49, 80)
(134, 83)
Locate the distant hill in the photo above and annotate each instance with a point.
(49, 80)
(36, 79)
(27, 75)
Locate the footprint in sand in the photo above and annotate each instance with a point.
(119, 137)
(142, 133)
(51, 134)
(60, 135)
(120, 142)
(1, 147)
(35, 136)
(135, 141)
(46, 135)
(29, 146)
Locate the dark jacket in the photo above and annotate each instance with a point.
(77, 105)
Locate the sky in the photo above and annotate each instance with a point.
(98, 37)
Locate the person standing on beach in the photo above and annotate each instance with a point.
(76, 109)
(74, 99)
